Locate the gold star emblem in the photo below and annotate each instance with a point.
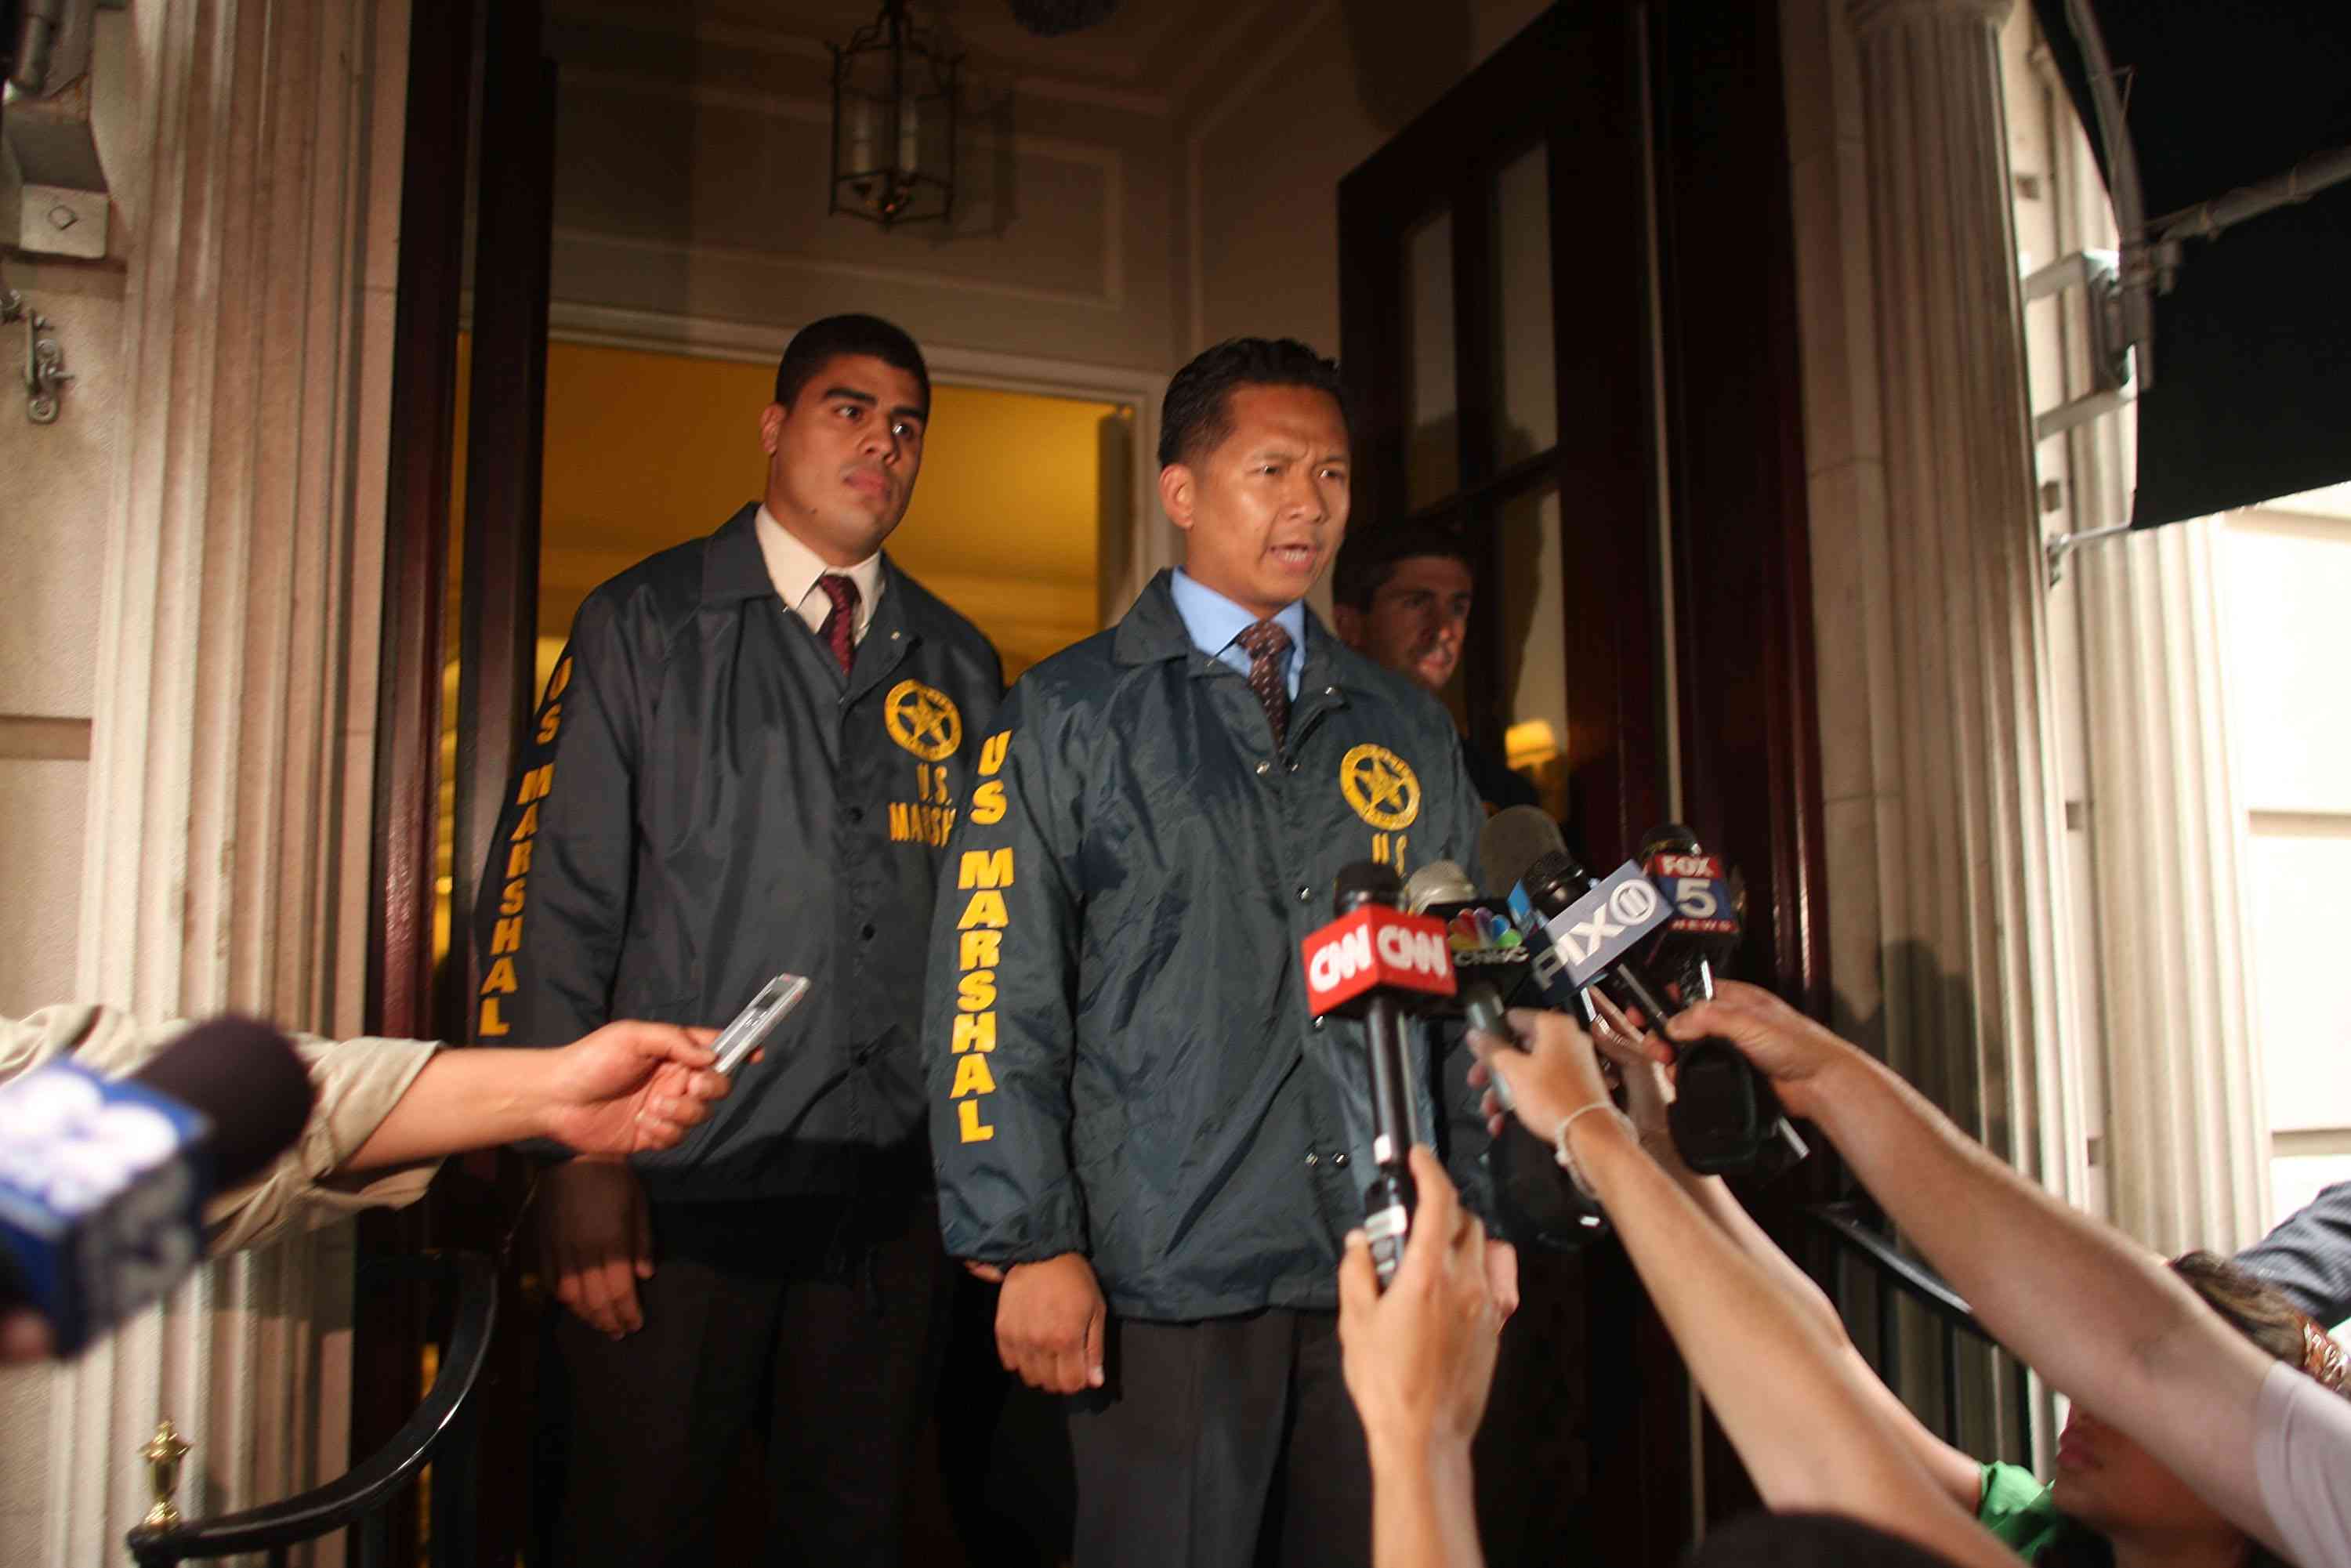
(924, 720)
(1381, 786)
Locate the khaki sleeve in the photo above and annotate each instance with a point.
(356, 1081)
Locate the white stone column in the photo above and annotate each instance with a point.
(2186, 1135)
(231, 759)
(1967, 865)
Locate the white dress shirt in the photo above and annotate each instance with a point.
(794, 567)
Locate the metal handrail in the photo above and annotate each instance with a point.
(443, 1421)
(1910, 1277)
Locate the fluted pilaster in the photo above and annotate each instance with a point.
(2187, 1123)
(1967, 848)
(225, 861)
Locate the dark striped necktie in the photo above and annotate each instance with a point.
(1267, 646)
(839, 628)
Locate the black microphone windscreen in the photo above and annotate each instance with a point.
(1514, 839)
(247, 1081)
(1670, 839)
(1364, 880)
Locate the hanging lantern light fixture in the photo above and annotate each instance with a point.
(894, 124)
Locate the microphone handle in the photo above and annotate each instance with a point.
(1392, 1130)
(1389, 1201)
(1655, 1009)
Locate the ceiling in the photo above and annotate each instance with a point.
(1155, 49)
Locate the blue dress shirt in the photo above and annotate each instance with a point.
(1215, 621)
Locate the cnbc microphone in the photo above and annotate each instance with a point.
(1491, 967)
(103, 1181)
(1370, 963)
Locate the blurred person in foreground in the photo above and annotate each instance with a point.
(2109, 1502)
(2103, 1319)
(389, 1111)
(1419, 1358)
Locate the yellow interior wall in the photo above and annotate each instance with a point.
(644, 451)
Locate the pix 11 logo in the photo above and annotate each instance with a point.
(1480, 935)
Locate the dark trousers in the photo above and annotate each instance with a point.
(1219, 1444)
(808, 1324)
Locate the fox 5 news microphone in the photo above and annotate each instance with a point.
(1724, 1116)
(1372, 962)
(103, 1181)
(1492, 965)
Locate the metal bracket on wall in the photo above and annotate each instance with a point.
(45, 359)
(2057, 547)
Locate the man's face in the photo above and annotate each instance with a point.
(1416, 619)
(842, 459)
(2107, 1481)
(1263, 514)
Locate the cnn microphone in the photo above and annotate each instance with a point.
(1724, 1116)
(1369, 963)
(103, 1181)
(1492, 963)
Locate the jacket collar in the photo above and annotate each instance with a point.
(1153, 632)
(733, 568)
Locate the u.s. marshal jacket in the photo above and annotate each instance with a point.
(707, 802)
(1121, 1063)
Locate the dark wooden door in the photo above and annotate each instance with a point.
(1567, 317)
(485, 593)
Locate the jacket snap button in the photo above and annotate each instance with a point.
(1263, 768)
(1318, 1023)
(1312, 1158)
(1340, 1159)
(1305, 894)
(866, 932)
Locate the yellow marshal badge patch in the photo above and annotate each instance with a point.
(924, 720)
(1381, 786)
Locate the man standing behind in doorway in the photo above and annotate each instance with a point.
(1135, 1121)
(1401, 596)
(748, 762)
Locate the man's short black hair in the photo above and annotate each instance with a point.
(1369, 555)
(1194, 419)
(819, 342)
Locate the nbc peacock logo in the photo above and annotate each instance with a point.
(1477, 934)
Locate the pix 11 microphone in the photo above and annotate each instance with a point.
(1372, 962)
(103, 1181)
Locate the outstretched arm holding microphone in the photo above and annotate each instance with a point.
(2099, 1316)
(1804, 1418)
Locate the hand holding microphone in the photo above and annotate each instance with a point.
(1370, 963)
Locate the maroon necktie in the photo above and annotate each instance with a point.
(839, 628)
(1266, 644)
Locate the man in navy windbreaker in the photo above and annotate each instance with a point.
(1135, 1119)
(748, 761)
